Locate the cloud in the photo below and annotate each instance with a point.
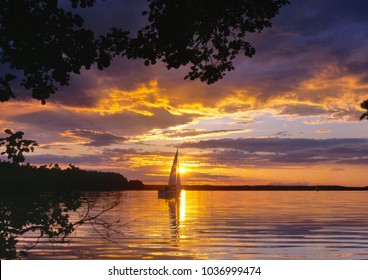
(54, 119)
(104, 157)
(337, 169)
(181, 134)
(301, 110)
(283, 151)
(283, 133)
(64, 160)
(319, 131)
(55, 146)
(307, 70)
(93, 138)
(303, 66)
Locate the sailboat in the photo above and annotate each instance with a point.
(173, 188)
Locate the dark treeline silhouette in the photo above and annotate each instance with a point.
(28, 178)
(48, 216)
(16, 176)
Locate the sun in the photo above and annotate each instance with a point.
(183, 170)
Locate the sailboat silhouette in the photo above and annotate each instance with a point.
(173, 188)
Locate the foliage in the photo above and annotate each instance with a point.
(47, 43)
(16, 146)
(48, 215)
(207, 35)
(364, 105)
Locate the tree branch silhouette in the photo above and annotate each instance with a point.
(43, 44)
(206, 35)
(364, 105)
(16, 146)
(49, 215)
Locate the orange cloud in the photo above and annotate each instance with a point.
(323, 131)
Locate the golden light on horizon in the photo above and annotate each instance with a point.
(183, 170)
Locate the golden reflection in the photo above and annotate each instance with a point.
(177, 215)
(174, 215)
(182, 206)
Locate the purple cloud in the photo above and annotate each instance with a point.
(93, 137)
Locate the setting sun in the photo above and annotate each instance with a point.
(183, 170)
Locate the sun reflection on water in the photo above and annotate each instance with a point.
(182, 205)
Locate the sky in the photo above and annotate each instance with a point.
(287, 116)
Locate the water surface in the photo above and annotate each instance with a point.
(209, 225)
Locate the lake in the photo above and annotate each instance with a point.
(199, 225)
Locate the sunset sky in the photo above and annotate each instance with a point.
(289, 115)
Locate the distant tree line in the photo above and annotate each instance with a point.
(53, 178)
(16, 176)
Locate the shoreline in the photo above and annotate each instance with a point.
(132, 186)
(257, 188)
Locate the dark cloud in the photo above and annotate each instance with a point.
(196, 132)
(274, 145)
(55, 146)
(313, 17)
(81, 92)
(65, 160)
(124, 123)
(211, 178)
(111, 158)
(302, 110)
(270, 151)
(93, 137)
(104, 157)
(50, 120)
(125, 14)
(307, 38)
(283, 133)
(88, 88)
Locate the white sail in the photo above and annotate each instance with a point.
(178, 181)
(174, 186)
(174, 179)
(174, 170)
